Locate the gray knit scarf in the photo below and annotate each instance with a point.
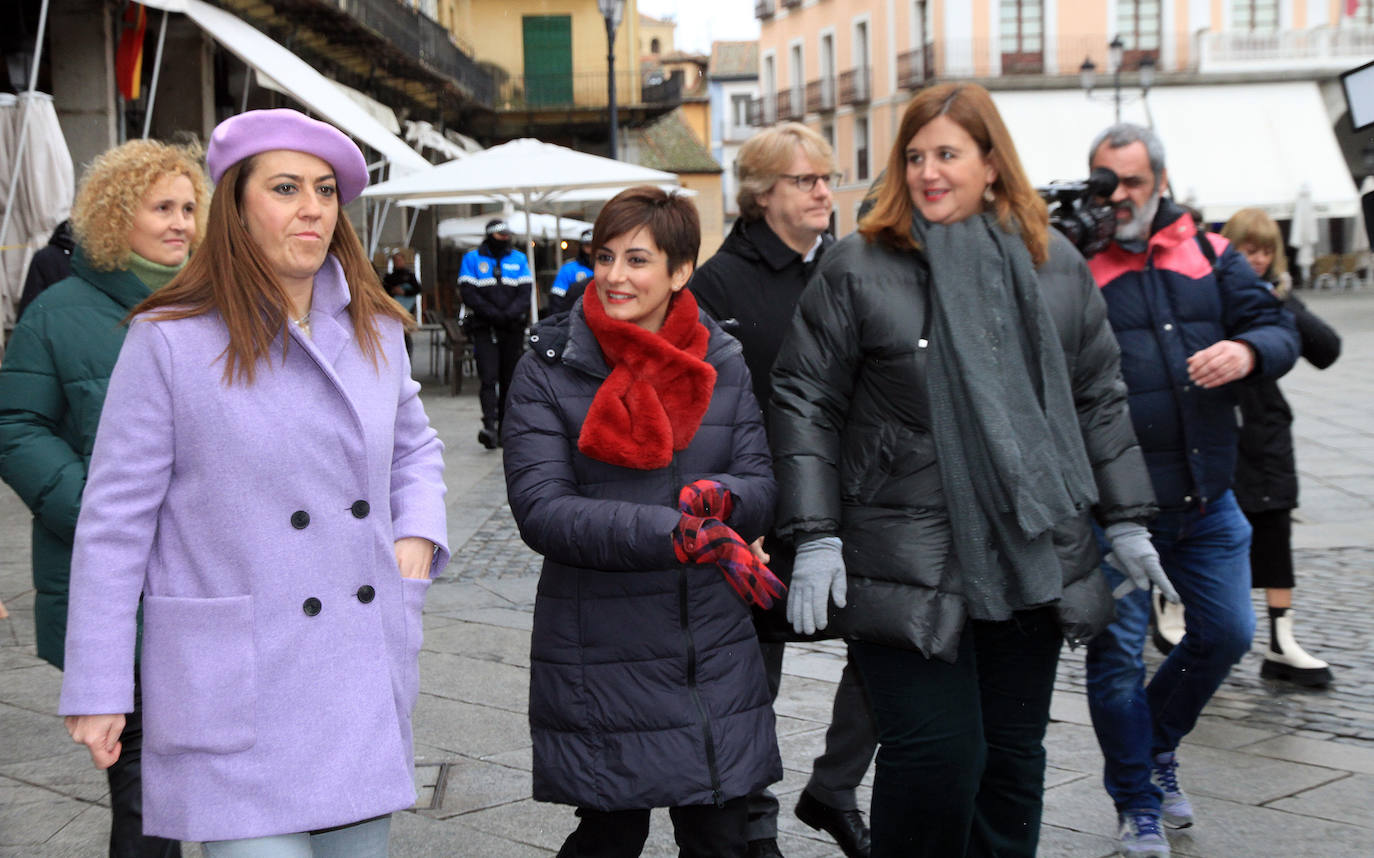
(1006, 430)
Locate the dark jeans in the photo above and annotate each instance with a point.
(126, 795)
(849, 746)
(1207, 557)
(496, 352)
(961, 755)
(701, 831)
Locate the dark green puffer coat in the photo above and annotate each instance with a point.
(56, 367)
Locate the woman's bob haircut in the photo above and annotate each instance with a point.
(1017, 205)
(671, 219)
(232, 277)
(112, 191)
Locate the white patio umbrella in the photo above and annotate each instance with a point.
(37, 184)
(525, 173)
(469, 231)
(1303, 235)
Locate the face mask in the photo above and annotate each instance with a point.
(499, 244)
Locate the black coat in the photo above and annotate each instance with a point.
(50, 264)
(855, 456)
(647, 685)
(1266, 471)
(751, 287)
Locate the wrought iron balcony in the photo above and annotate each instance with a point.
(820, 95)
(854, 86)
(424, 39)
(916, 67)
(789, 105)
(764, 8)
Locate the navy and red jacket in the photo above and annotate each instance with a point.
(1165, 304)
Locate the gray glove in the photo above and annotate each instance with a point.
(1134, 554)
(817, 576)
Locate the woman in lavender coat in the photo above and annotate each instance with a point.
(265, 478)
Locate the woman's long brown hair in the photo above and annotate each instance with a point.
(230, 275)
(968, 104)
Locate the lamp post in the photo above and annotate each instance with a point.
(1087, 73)
(611, 11)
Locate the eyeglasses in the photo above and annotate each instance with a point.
(806, 181)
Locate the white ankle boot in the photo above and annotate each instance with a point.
(1168, 617)
(1289, 662)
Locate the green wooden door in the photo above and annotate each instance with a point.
(548, 59)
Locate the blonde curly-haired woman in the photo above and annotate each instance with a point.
(139, 212)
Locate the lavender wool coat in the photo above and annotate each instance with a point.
(280, 644)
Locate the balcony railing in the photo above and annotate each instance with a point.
(854, 86)
(764, 8)
(424, 39)
(1313, 49)
(789, 105)
(820, 95)
(763, 111)
(583, 90)
(916, 67)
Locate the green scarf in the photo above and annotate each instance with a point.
(154, 275)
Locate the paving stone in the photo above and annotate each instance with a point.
(476, 680)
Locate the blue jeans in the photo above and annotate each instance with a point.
(367, 839)
(1207, 557)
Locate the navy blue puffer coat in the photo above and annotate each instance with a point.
(647, 685)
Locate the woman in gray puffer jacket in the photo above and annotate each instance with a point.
(636, 463)
(948, 415)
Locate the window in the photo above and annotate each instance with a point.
(770, 83)
(828, 71)
(796, 79)
(828, 132)
(1138, 24)
(861, 148)
(654, 45)
(739, 111)
(1022, 40)
(1256, 14)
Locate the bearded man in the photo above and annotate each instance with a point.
(1192, 320)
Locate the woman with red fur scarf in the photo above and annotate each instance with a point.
(636, 463)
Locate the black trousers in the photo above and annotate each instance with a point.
(496, 352)
(126, 795)
(961, 755)
(701, 831)
(1271, 549)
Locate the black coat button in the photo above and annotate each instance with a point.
(366, 593)
(360, 509)
(311, 606)
(300, 519)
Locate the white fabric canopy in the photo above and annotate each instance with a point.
(299, 79)
(527, 171)
(469, 231)
(558, 201)
(1227, 147)
(43, 189)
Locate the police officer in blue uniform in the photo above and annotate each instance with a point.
(573, 277)
(495, 283)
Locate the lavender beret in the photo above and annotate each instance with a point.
(258, 131)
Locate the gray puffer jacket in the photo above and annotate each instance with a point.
(855, 457)
(647, 685)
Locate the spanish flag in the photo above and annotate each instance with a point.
(129, 56)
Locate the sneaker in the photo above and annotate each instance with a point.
(1141, 835)
(1176, 809)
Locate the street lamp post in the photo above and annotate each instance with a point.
(1115, 53)
(611, 11)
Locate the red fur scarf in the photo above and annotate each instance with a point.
(652, 403)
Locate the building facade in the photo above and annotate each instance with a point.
(733, 82)
(848, 67)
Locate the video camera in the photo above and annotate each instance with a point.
(1083, 211)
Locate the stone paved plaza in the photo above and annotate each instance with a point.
(1273, 771)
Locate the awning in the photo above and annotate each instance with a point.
(297, 78)
(1227, 147)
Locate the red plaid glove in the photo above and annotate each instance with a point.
(709, 540)
(707, 499)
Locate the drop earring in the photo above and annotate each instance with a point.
(988, 196)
